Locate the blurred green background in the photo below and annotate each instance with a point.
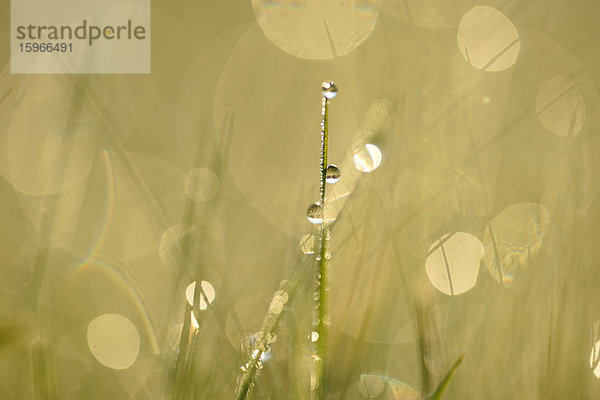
(475, 233)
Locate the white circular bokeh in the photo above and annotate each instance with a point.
(113, 340)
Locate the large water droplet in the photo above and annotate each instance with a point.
(332, 174)
(329, 89)
(315, 214)
(367, 158)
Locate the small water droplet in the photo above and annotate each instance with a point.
(278, 302)
(271, 338)
(329, 90)
(328, 256)
(332, 174)
(315, 214)
(314, 336)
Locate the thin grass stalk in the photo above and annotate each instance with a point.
(437, 394)
(42, 369)
(322, 317)
(321, 320)
(268, 329)
(192, 322)
(322, 274)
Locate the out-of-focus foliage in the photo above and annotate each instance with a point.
(466, 214)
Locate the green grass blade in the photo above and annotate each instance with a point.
(437, 394)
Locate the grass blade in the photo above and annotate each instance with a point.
(437, 394)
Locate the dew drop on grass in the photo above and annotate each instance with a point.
(332, 174)
(278, 302)
(329, 89)
(314, 336)
(315, 213)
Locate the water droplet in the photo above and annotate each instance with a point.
(282, 296)
(315, 214)
(328, 256)
(271, 338)
(332, 174)
(314, 336)
(329, 89)
(367, 158)
(278, 302)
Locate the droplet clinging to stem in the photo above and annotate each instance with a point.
(332, 174)
(315, 213)
(329, 89)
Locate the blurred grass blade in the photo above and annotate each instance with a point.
(442, 386)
